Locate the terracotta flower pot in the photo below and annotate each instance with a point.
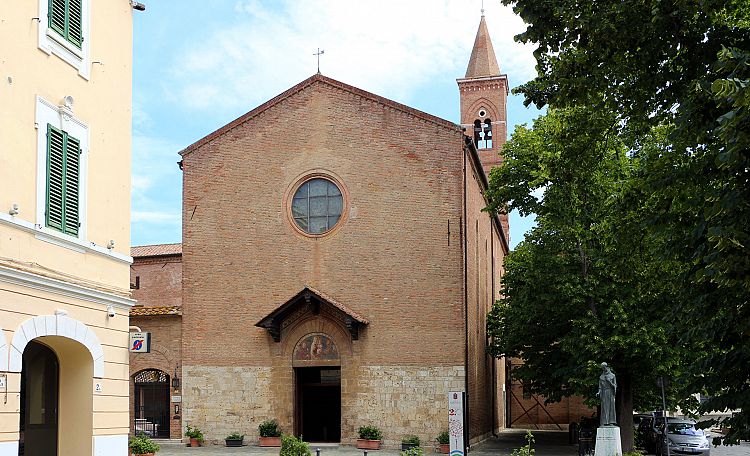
(269, 441)
(194, 442)
(364, 444)
(445, 448)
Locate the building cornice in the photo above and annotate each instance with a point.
(62, 288)
(62, 240)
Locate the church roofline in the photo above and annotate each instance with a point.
(485, 184)
(306, 83)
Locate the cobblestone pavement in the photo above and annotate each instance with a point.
(548, 443)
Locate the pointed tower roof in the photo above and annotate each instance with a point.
(483, 62)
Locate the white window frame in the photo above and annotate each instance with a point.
(60, 117)
(52, 43)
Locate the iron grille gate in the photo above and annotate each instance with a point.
(151, 403)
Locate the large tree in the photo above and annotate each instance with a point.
(679, 67)
(582, 287)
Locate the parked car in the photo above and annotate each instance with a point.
(684, 438)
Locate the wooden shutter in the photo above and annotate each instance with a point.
(75, 22)
(72, 178)
(56, 16)
(55, 177)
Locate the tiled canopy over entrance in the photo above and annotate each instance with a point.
(313, 300)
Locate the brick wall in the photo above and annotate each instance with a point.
(166, 348)
(160, 280)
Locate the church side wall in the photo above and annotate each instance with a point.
(395, 258)
(485, 373)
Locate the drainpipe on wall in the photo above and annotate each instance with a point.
(464, 229)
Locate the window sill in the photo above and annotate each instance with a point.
(53, 43)
(62, 240)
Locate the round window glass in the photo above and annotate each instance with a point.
(317, 206)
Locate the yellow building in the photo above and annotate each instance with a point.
(65, 97)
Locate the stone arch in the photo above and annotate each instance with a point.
(55, 325)
(492, 111)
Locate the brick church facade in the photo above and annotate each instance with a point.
(336, 268)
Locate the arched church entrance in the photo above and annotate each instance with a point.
(151, 403)
(317, 369)
(40, 390)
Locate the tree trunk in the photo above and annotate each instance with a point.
(624, 405)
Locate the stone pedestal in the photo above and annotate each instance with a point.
(608, 441)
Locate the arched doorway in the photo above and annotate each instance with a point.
(40, 390)
(317, 369)
(151, 403)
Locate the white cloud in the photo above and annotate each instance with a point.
(388, 47)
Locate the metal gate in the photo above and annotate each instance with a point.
(151, 403)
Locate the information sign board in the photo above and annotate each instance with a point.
(140, 342)
(456, 422)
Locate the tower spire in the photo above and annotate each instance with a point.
(483, 62)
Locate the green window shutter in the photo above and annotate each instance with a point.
(56, 16)
(75, 22)
(72, 178)
(55, 177)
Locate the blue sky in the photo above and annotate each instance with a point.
(199, 65)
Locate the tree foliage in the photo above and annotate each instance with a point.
(671, 77)
(581, 288)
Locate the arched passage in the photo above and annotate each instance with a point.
(151, 403)
(80, 358)
(56, 414)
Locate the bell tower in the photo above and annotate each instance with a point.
(484, 92)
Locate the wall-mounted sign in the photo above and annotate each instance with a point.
(3, 382)
(140, 342)
(456, 422)
(177, 399)
(97, 387)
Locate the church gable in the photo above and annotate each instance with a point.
(340, 87)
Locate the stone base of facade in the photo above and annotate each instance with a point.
(400, 400)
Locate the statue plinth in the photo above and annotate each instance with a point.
(608, 441)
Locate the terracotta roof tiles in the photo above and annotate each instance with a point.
(156, 250)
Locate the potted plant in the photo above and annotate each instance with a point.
(293, 446)
(234, 439)
(195, 435)
(369, 438)
(142, 445)
(409, 441)
(414, 451)
(270, 434)
(444, 441)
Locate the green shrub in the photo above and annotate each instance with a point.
(235, 436)
(412, 439)
(370, 433)
(632, 453)
(269, 428)
(443, 438)
(292, 446)
(415, 451)
(194, 433)
(525, 450)
(141, 444)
